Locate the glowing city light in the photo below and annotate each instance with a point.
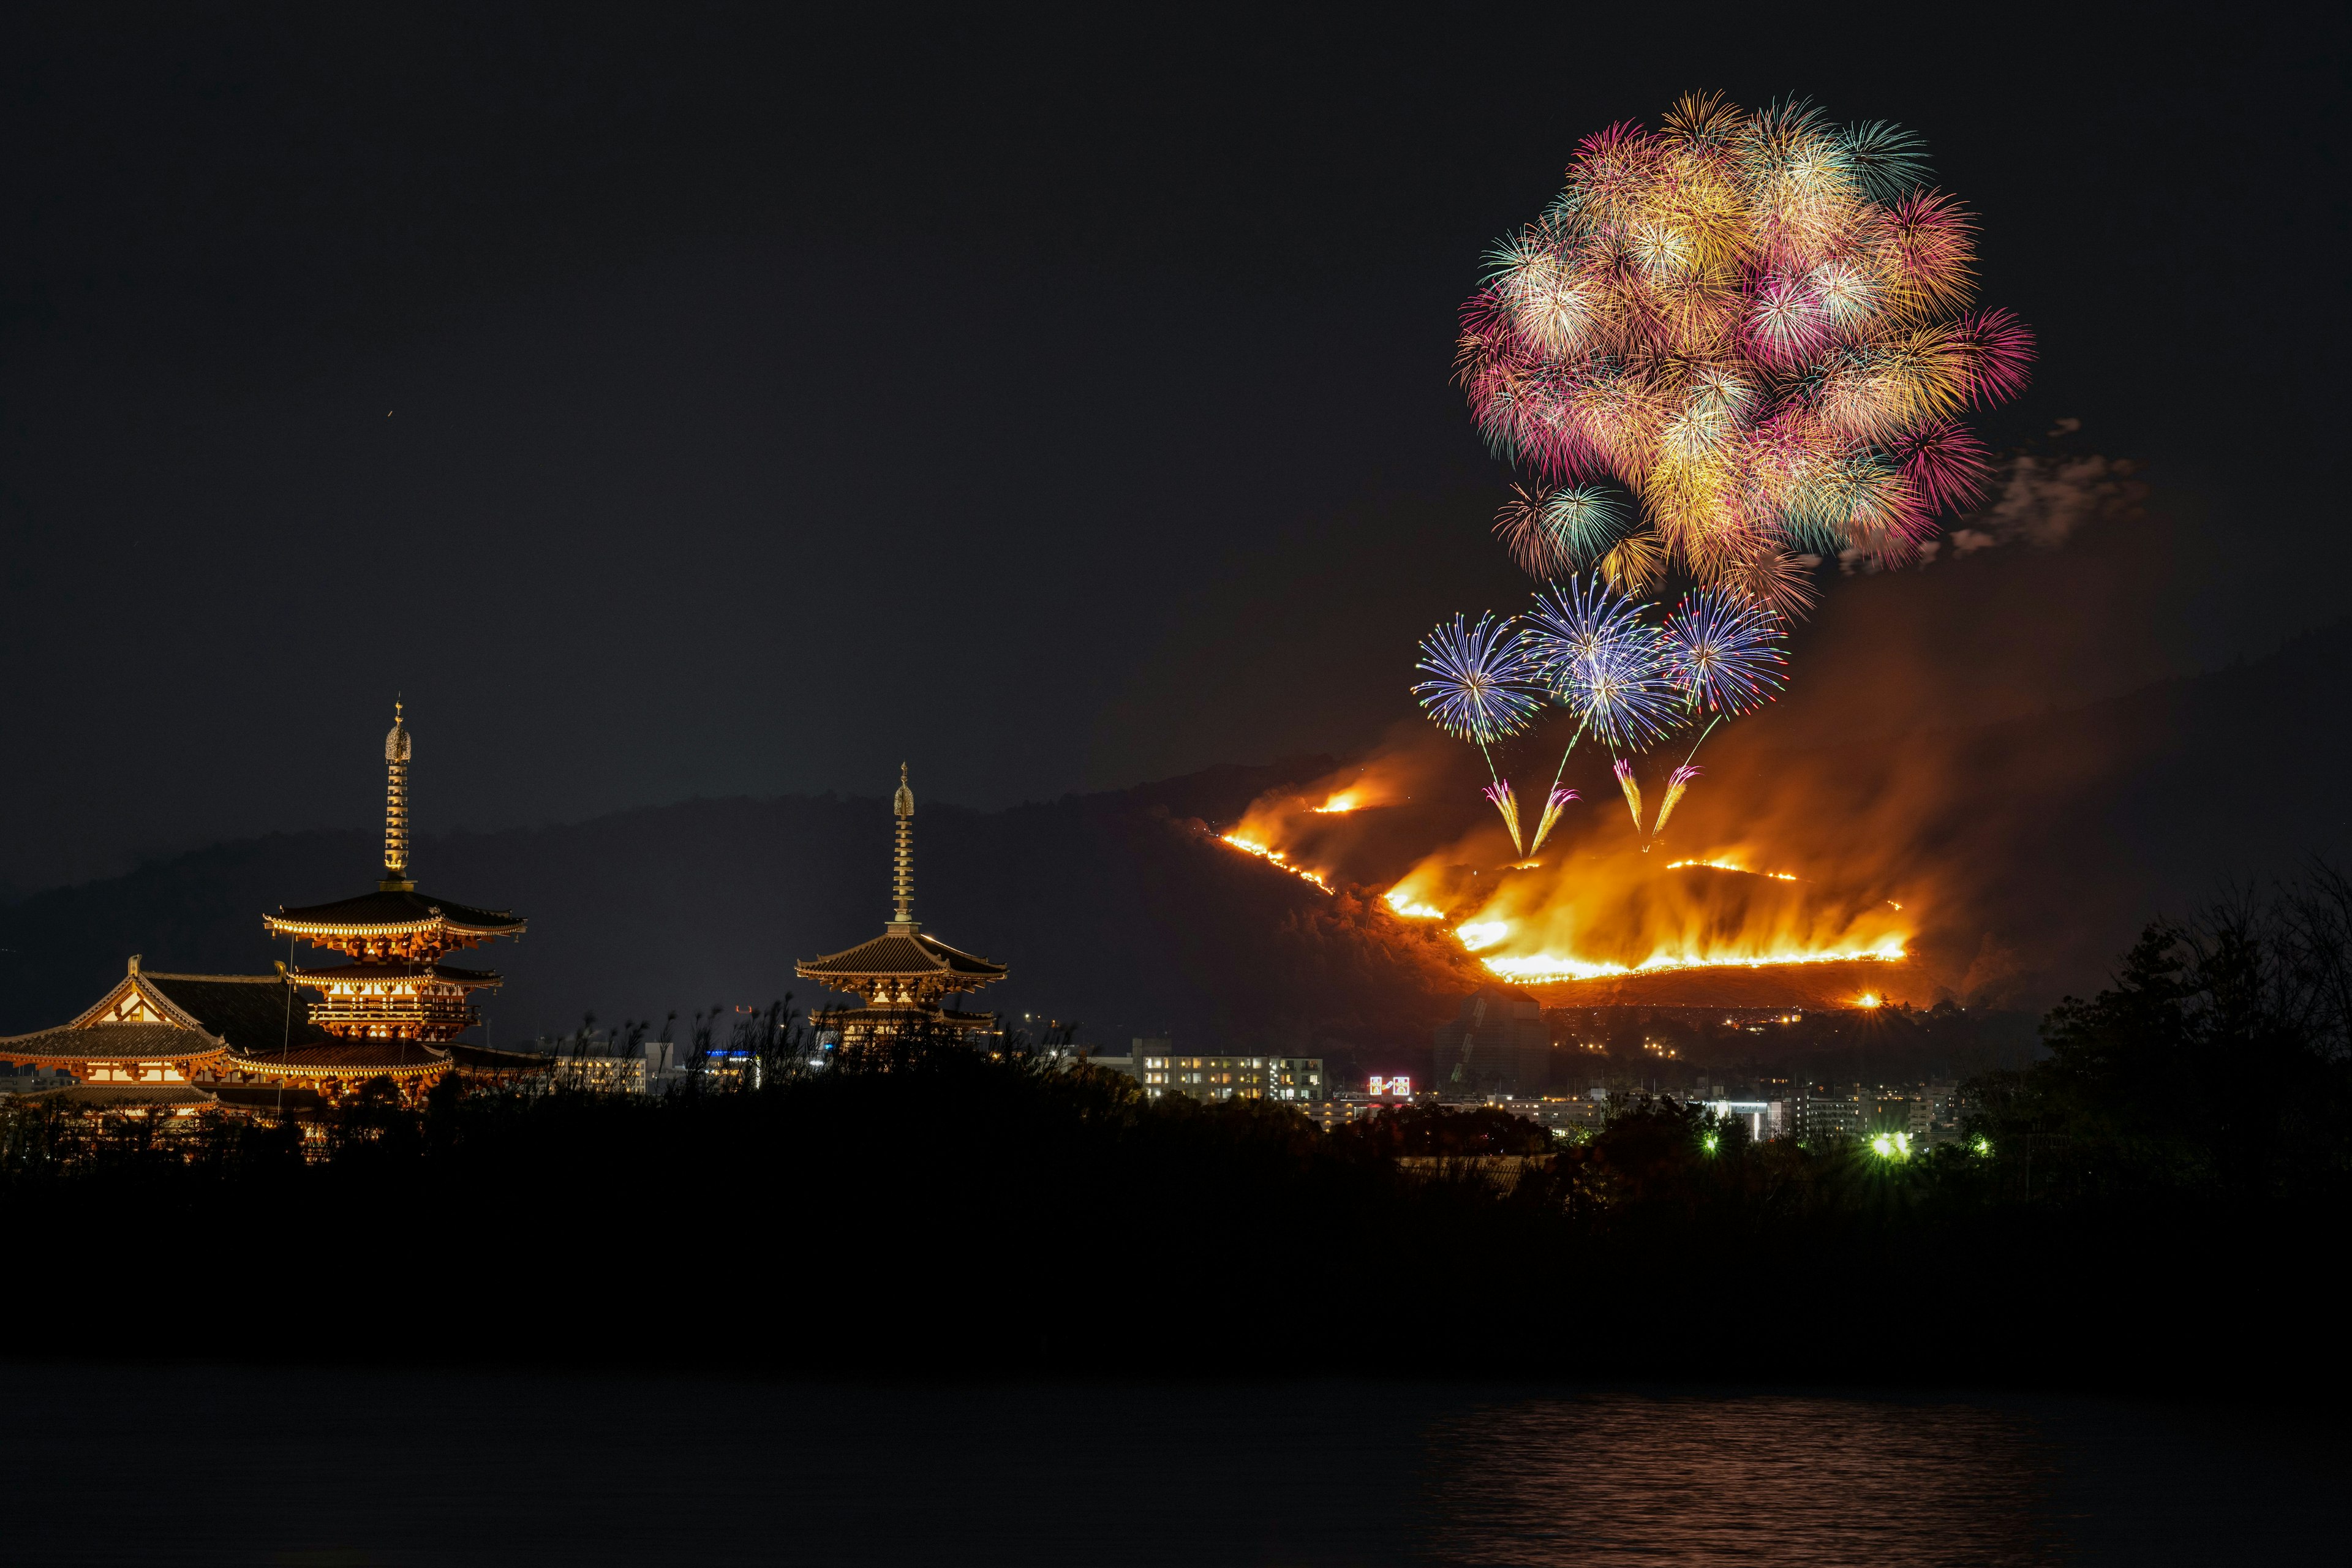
(1892, 1145)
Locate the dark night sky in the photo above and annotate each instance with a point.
(1053, 405)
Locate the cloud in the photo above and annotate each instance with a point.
(2043, 500)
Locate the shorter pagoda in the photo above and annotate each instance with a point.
(395, 1010)
(904, 976)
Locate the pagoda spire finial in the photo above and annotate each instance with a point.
(902, 861)
(396, 748)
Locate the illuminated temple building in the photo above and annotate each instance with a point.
(166, 1044)
(904, 977)
(394, 1009)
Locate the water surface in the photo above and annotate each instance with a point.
(337, 1469)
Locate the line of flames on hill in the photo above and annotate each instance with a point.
(1276, 857)
(1525, 927)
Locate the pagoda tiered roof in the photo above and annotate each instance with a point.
(902, 976)
(449, 974)
(902, 954)
(389, 914)
(347, 1060)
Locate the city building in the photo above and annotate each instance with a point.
(1297, 1080)
(1497, 1045)
(394, 1009)
(904, 977)
(1818, 1111)
(1765, 1117)
(1935, 1115)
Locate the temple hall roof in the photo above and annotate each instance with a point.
(895, 952)
(126, 1096)
(112, 1042)
(387, 910)
(248, 1011)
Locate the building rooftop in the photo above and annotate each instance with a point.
(111, 1042)
(900, 952)
(347, 1059)
(389, 910)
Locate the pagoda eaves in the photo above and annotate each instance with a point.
(902, 976)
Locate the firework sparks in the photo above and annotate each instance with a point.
(1552, 808)
(1756, 323)
(1499, 792)
(1479, 689)
(1723, 649)
(1677, 783)
(1625, 781)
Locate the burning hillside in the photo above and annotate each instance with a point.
(1597, 909)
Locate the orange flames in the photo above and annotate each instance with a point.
(1595, 909)
(1249, 846)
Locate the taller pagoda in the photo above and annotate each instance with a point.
(395, 1008)
(904, 976)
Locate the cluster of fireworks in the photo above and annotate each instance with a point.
(1734, 347)
(1628, 683)
(1759, 325)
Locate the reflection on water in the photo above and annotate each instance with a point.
(1626, 1479)
(198, 1465)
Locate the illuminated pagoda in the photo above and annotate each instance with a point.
(395, 1009)
(904, 976)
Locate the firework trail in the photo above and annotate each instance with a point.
(1723, 649)
(1677, 783)
(1479, 689)
(1499, 792)
(1587, 645)
(1760, 325)
(1552, 808)
(1624, 771)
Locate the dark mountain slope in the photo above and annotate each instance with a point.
(2036, 848)
(1110, 910)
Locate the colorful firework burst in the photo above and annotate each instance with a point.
(1758, 324)
(1723, 649)
(1478, 686)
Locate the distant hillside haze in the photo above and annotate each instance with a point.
(2048, 842)
(1114, 912)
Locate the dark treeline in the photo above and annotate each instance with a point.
(2153, 1204)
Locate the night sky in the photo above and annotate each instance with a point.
(704, 403)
